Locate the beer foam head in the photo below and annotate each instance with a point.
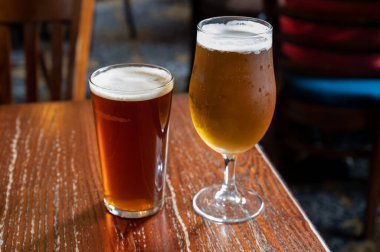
(243, 36)
(131, 82)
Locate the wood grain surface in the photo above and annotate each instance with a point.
(51, 191)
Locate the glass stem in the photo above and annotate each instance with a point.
(229, 174)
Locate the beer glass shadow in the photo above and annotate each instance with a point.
(117, 230)
(81, 221)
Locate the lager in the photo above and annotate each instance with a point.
(232, 88)
(232, 97)
(132, 107)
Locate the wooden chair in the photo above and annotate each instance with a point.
(63, 18)
(326, 54)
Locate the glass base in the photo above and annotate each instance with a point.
(131, 214)
(221, 206)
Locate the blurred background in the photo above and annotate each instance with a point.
(332, 171)
(162, 36)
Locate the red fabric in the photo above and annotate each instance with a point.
(318, 57)
(342, 8)
(353, 35)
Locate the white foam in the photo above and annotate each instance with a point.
(236, 36)
(131, 83)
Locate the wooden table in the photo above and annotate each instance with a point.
(51, 191)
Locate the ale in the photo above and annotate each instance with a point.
(132, 108)
(232, 88)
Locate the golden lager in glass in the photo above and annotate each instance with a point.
(232, 100)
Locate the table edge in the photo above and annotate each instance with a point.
(287, 190)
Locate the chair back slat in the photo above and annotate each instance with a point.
(79, 53)
(31, 48)
(55, 79)
(5, 66)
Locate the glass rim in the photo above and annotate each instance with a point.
(125, 65)
(236, 18)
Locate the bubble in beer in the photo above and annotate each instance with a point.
(131, 83)
(238, 36)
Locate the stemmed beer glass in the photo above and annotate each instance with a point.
(232, 98)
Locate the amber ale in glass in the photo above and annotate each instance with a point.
(132, 108)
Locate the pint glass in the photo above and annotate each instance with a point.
(131, 104)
